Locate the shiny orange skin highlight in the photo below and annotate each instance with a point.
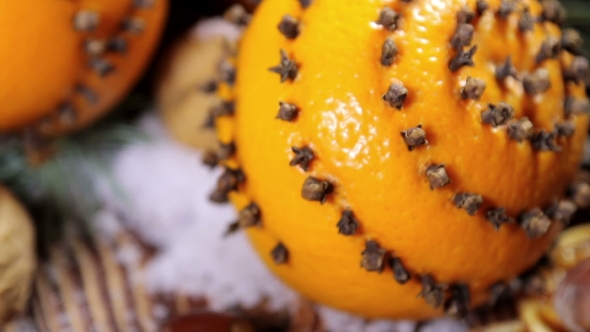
(358, 147)
(43, 59)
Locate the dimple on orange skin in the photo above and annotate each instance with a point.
(44, 60)
(357, 144)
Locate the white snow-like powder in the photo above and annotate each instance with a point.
(167, 206)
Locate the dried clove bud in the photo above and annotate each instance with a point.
(457, 305)
(316, 190)
(432, 293)
(348, 224)
(237, 15)
(565, 128)
(572, 41)
(231, 229)
(526, 21)
(287, 112)
(497, 115)
(506, 69)
(473, 89)
(66, 114)
(580, 194)
(86, 20)
(469, 202)
(549, 49)
(305, 3)
(101, 66)
(400, 274)
(219, 197)
(437, 176)
(553, 12)
(117, 44)
(535, 223)
(89, 95)
(209, 87)
(577, 71)
(227, 73)
(287, 68)
(396, 95)
(373, 257)
(225, 108)
(280, 254)
(94, 47)
(249, 216)
(210, 159)
(465, 15)
(289, 27)
(520, 130)
(506, 8)
(575, 106)
(133, 25)
(497, 217)
(388, 52)
(537, 82)
(388, 18)
(303, 156)
(463, 36)
(226, 150)
(562, 211)
(481, 6)
(414, 137)
(230, 179)
(463, 59)
(143, 3)
(545, 141)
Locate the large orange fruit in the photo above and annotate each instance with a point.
(65, 63)
(403, 157)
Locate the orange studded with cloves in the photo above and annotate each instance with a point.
(404, 156)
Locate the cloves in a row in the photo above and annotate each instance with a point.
(348, 224)
(431, 292)
(565, 128)
(388, 18)
(373, 257)
(287, 68)
(289, 27)
(535, 223)
(89, 95)
(462, 59)
(287, 112)
(210, 159)
(316, 190)
(471, 203)
(520, 130)
(437, 176)
(473, 89)
(571, 41)
(497, 217)
(226, 150)
(396, 95)
(280, 254)
(577, 71)
(553, 11)
(414, 137)
(230, 179)
(497, 115)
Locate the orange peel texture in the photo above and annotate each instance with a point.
(67, 62)
(421, 153)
